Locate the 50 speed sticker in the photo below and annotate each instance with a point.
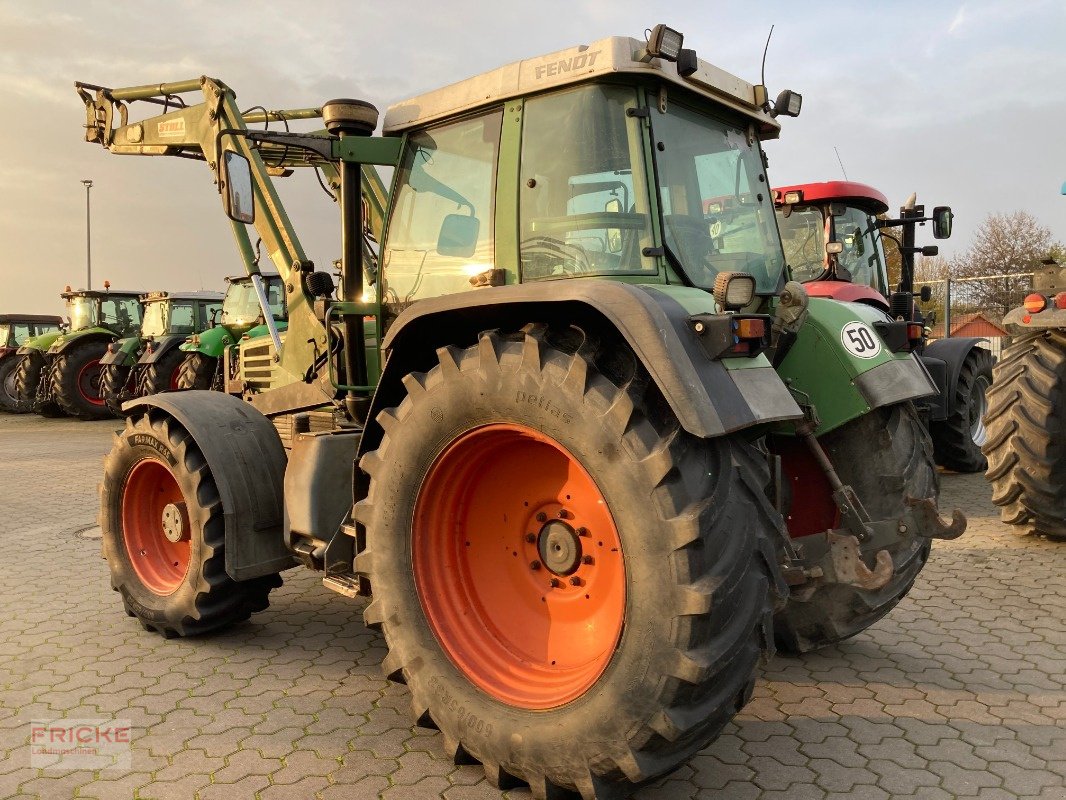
(860, 341)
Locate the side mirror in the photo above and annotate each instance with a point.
(834, 248)
(930, 250)
(925, 294)
(237, 195)
(458, 235)
(942, 218)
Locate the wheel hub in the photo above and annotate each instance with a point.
(559, 547)
(174, 522)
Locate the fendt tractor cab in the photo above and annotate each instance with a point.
(613, 454)
(15, 330)
(61, 374)
(1026, 444)
(832, 234)
(150, 361)
(208, 351)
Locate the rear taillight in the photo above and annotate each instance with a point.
(1060, 300)
(1034, 303)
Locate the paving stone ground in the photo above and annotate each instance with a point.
(960, 692)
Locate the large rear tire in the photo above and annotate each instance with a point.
(76, 376)
(113, 381)
(198, 371)
(885, 456)
(957, 440)
(1026, 445)
(575, 590)
(8, 391)
(162, 375)
(164, 533)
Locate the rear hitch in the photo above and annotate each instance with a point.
(928, 522)
(848, 566)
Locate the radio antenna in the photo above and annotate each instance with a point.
(764, 51)
(841, 163)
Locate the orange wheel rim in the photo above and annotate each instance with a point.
(518, 566)
(155, 526)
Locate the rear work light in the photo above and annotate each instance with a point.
(733, 290)
(1035, 303)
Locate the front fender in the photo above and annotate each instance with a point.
(161, 345)
(124, 352)
(953, 352)
(39, 344)
(68, 340)
(212, 342)
(708, 397)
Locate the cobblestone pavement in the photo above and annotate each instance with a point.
(960, 692)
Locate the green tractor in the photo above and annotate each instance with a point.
(60, 373)
(242, 316)
(1026, 419)
(834, 243)
(151, 361)
(16, 330)
(579, 471)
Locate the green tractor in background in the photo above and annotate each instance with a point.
(242, 317)
(16, 330)
(151, 361)
(613, 457)
(60, 373)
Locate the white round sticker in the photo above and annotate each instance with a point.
(860, 341)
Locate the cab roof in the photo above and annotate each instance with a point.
(848, 192)
(136, 294)
(614, 55)
(201, 295)
(267, 276)
(16, 318)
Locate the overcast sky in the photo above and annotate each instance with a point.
(964, 103)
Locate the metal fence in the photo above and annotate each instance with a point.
(974, 306)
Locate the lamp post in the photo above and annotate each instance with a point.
(88, 184)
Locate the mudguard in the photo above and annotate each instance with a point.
(708, 397)
(161, 345)
(211, 342)
(1019, 319)
(39, 343)
(123, 352)
(840, 383)
(953, 352)
(247, 460)
(68, 340)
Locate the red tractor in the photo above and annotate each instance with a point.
(832, 235)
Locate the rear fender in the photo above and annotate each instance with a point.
(69, 340)
(162, 345)
(212, 342)
(40, 343)
(247, 460)
(709, 397)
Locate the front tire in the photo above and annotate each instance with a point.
(162, 375)
(164, 533)
(8, 390)
(885, 456)
(1026, 445)
(76, 377)
(113, 380)
(198, 371)
(600, 615)
(32, 369)
(957, 440)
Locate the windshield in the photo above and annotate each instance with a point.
(241, 306)
(155, 319)
(5, 333)
(82, 312)
(717, 208)
(803, 237)
(862, 260)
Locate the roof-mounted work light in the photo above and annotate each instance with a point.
(788, 104)
(664, 43)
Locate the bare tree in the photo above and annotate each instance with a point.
(993, 274)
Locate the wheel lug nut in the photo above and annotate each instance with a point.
(535, 565)
(576, 581)
(555, 583)
(542, 517)
(531, 537)
(564, 514)
(587, 560)
(582, 531)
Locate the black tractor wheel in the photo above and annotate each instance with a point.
(198, 371)
(957, 440)
(31, 370)
(575, 590)
(162, 375)
(164, 533)
(1026, 445)
(113, 386)
(885, 456)
(76, 377)
(8, 391)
